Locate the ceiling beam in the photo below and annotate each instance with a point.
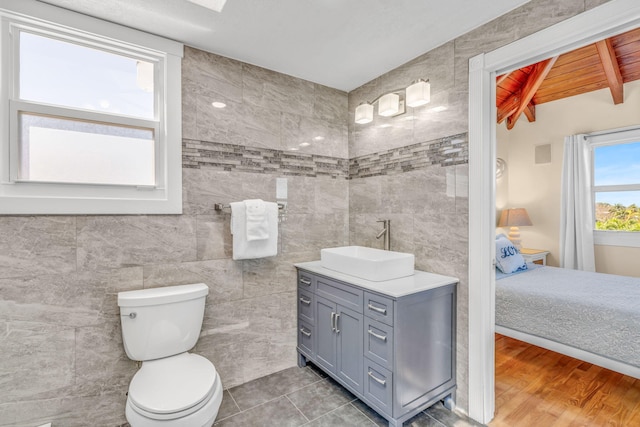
(502, 78)
(611, 69)
(530, 112)
(508, 107)
(535, 79)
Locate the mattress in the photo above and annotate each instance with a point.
(594, 312)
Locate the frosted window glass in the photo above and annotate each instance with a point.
(54, 149)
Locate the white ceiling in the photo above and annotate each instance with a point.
(338, 43)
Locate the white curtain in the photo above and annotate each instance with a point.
(576, 212)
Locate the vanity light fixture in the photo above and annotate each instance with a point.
(364, 113)
(418, 94)
(218, 104)
(393, 103)
(389, 104)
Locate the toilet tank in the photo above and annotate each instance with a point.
(161, 322)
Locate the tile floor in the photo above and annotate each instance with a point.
(307, 397)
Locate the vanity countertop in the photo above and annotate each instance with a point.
(396, 288)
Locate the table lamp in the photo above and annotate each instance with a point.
(514, 218)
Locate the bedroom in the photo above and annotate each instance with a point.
(536, 185)
(534, 182)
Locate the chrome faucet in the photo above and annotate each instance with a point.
(386, 232)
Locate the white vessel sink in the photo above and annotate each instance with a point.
(368, 263)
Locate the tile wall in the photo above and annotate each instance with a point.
(61, 355)
(427, 202)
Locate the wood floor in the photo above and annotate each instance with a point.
(537, 387)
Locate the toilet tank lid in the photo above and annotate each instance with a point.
(164, 295)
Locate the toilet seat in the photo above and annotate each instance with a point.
(172, 387)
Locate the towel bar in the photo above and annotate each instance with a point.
(220, 206)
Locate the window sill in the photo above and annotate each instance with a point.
(616, 238)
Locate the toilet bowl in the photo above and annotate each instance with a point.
(178, 391)
(172, 388)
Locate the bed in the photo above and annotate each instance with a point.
(593, 317)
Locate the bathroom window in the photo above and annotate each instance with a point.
(90, 116)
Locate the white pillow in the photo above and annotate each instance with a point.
(508, 258)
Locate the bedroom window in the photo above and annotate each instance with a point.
(616, 187)
(90, 116)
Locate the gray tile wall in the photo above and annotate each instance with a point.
(61, 355)
(428, 207)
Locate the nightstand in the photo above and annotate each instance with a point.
(536, 256)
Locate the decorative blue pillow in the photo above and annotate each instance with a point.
(508, 257)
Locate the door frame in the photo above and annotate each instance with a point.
(611, 18)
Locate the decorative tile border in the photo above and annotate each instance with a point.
(447, 151)
(450, 150)
(230, 157)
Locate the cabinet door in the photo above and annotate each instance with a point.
(350, 341)
(325, 334)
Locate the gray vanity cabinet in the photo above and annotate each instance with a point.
(339, 341)
(326, 337)
(395, 353)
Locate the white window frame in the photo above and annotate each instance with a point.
(599, 139)
(28, 197)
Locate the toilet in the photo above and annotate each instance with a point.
(172, 388)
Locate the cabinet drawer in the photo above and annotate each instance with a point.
(378, 386)
(306, 306)
(378, 342)
(378, 307)
(306, 338)
(306, 281)
(345, 295)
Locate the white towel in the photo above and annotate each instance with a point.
(257, 223)
(246, 249)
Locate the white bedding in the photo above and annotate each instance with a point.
(595, 312)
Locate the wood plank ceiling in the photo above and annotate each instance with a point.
(608, 63)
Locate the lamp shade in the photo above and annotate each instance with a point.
(389, 104)
(419, 94)
(364, 113)
(516, 217)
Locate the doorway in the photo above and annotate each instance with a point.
(611, 18)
